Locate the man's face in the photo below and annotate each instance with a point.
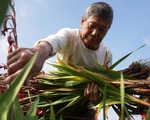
(93, 31)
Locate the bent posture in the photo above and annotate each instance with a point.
(81, 46)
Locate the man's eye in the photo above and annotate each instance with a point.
(102, 30)
(91, 26)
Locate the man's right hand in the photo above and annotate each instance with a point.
(19, 58)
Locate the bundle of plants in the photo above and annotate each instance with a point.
(125, 90)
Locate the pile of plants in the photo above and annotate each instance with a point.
(58, 93)
(125, 91)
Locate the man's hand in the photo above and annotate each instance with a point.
(91, 93)
(20, 57)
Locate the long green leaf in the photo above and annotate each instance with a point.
(11, 93)
(67, 99)
(148, 114)
(52, 114)
(123, 58)
(31, 114)
(43, 118)
(18, 112)
(122, 92)
(122, 96)
(104, 104)
(75, 100)
(3, 10)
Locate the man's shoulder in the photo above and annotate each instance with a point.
(71, 33)
(70, 29)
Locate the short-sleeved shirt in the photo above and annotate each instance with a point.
(68, 43)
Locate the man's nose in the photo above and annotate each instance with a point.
(95, 32)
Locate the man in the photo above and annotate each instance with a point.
(81, 46)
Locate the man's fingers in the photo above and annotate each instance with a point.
(13, 59)
(10, 78)
(85, 92)
(91, 88)
(10, 55)
(14, 67)
(91, 92)
(18, 61)
(95, 95)
(100, 96)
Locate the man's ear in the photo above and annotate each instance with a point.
(82, 21)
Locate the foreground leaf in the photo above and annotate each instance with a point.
(52, 114)
(124, 57)
(3, 10)
(12, 92)
(18, 112)
(148, 114)
(31, 114)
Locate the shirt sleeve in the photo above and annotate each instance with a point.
(58, 40)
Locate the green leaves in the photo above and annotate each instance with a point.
(68, 81)
(64, 88)
(9, 96)
(31, 114)
(124, 57)
(52, 114)
(148, 114)
(122, 92)
(3, 10)
(18, 113)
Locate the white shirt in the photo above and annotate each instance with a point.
(67, 42)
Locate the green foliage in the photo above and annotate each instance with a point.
(124, 57)
(104, 104)
(52, 114)
(122, 92)
(67, 83)
(65, 88)
(3, 9)
(18, 113)
(7, 99)
(148, 114)
(31, 114)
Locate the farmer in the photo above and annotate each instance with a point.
(82, 47)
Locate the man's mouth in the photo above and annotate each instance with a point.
(91, 38)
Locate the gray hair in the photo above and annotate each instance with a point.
(100, 9)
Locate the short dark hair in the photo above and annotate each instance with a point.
(100, 9)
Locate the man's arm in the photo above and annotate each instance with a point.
(18, 59)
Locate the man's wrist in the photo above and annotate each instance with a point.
(44, 48)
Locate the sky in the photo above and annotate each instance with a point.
(36, 19)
